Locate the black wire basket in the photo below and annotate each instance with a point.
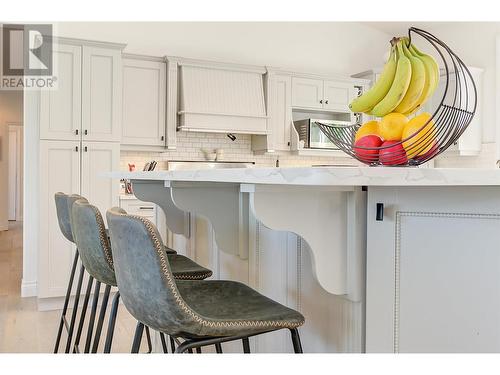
(451, 117)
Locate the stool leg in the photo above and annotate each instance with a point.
(148, 339)
(100, 321)
(82, 315)
(218, 348)
(198, 350)
(66, 302)
(297, 346)
(246, 345)
(75, 309)
(93, 311)
(163, 342)
(172, 344)
(112, 321)
(137, 338)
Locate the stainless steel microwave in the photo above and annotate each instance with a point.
(312, 136)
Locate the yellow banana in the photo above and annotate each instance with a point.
(379, 90)
(417, 82)
(432, 77)
(398, 88)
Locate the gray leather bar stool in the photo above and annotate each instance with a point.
(95, 252)
(64, 219)
(202, 312)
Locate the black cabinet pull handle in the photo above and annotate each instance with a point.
(321, 101)
(326, 101)
(85, 149)
(76, 131)
(76, 148)
(380, 212)
(162, 138)
(86, 132)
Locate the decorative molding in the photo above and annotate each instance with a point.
(88, 42)
(143, 57)
(397, 255)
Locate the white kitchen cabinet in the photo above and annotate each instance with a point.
(144, 101)
(101, 94)
(60, 109)
(307, 93)
(338, 95)
(60, 171)
(433, 281)
(470, 142)
(281, 113)
(86, 104)
(329, 95)
(98, 158)
(72, 167)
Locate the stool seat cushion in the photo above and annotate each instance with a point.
(184, 268)
(231, 308)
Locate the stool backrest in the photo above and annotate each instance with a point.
(144, 277)
(92, 241)
(63, 215)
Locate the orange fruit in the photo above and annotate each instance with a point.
(368, 128)
(423, 140)
(391, 126)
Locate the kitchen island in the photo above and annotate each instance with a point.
(396, 251)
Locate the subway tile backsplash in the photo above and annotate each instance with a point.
(191, 144)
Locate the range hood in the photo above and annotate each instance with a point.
(219, 97)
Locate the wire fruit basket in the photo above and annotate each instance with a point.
(450, 119)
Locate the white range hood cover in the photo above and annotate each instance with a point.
(218, 97)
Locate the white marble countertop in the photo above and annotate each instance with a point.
(328, 176)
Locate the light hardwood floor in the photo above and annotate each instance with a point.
(24, 329)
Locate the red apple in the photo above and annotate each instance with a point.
(366, 148)
(395, 155)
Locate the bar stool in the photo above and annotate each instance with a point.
(63, 218)
(202, 312)
(95, 251)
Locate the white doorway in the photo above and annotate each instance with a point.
(15, 192)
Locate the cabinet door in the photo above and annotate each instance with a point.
(338, 95)
(282, 112)
(60, 163)
(143, 113)
(98, 158)
(101, 94)
(60, 108)
(433, 270)
(307, 93)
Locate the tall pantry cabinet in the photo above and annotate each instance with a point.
(80, 132)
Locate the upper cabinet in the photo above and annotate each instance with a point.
(101, 94)
(144, 101)
(60, 109)
(87, 101)
(309, 93)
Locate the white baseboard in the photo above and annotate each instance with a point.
(28, 289)
(57, 303)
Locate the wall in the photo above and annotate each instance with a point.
(339, 47)
(11, 110)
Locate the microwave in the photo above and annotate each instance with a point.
(312, 136)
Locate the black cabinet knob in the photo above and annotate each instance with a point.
(321, 101)
(380, 212)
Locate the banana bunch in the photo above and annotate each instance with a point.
(408, 79)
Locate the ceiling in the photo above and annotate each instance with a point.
(401, 28)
